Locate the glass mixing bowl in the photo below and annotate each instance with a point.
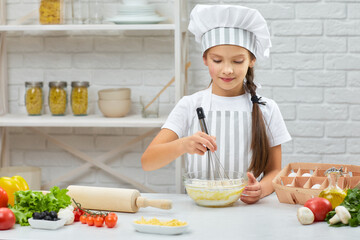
(214, 192)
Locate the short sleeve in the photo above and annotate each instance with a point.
(277, 131)
(177, 120)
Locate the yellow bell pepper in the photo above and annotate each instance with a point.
(21, 182)
(13, 184)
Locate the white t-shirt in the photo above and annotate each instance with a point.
(180, 118)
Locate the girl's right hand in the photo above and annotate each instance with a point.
(198, 143)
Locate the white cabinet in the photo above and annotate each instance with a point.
(177, 27)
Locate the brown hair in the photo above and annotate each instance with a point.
(259, 140)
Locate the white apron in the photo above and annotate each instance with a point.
(233, 138)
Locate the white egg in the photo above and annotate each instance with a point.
(292, 174)
(289, 185)
(306, 175)
(316, 186)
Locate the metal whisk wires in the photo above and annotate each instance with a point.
(215, 170)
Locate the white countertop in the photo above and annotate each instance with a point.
(267, 219)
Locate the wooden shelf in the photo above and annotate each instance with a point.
(19, 120)
(85, 27)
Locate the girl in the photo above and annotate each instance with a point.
(249, 129)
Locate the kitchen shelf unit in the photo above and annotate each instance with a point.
(20, 120)
(12, 120)
(89, 27)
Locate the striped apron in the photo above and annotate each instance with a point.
(233, 137)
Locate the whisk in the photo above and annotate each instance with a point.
(215, 170)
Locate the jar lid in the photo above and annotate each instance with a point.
(80, 84)
(57, 84)
(34, 84)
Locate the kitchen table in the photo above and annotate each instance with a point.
(267, 219)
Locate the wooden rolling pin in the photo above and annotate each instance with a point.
(113, 199)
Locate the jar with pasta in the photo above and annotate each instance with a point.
(57, 98)
(34, 98)
(51, 12)
(79, 98)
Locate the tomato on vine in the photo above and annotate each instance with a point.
(110, 220)
(90, 220)
(113, 214)
(83, 219)
(99, 221)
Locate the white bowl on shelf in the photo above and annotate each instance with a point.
(114, 108)
(135, 2)
(115, 94)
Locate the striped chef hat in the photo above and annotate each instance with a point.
(215, 25)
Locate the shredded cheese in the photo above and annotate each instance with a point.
(155, 221)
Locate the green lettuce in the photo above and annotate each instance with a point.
(28, 202)
(352, 204)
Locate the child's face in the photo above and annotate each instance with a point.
(228, 65)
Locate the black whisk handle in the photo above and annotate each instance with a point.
(200, 113)
(201, 116)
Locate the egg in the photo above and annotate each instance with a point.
(316, 186)
(292, 174)
(306, 175)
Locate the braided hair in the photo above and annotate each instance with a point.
(259, 141)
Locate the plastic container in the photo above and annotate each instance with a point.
(34, 98)
(214, 193)
(57, 98)
(51, 12)
(79, 98)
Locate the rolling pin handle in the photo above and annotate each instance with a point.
(158, 203)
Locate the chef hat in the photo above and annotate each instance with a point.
(215, 25)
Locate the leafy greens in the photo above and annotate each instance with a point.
(352, 204)
(28, 202)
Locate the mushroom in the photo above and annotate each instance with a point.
(67, 214)
(305, 216)
(342, 214)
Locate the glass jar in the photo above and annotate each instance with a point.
(57, 98)
(79, 98)
(51, 12)
(80, 11)
(34, 98)
(333, 192)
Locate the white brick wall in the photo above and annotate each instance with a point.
(313, 74)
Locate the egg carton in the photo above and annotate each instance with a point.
(298, 182)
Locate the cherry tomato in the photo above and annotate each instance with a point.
(79, 210)
(113, 214)
(319, 206)
(3, 198)
(90, 220)
(7, 219)
(77, 216)
(83, 219)
(99, 221)
(110, 220)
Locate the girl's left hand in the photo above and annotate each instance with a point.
(252, 191)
